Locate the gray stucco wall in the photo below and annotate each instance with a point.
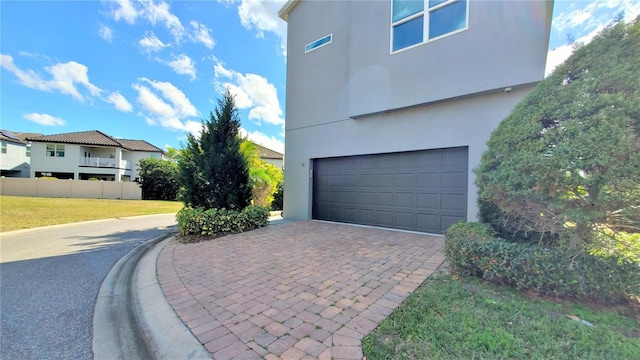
(463, 122)
(354, 97)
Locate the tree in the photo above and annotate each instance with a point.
(159, 179)
(213, 172)
(263, 177)
(565, 164)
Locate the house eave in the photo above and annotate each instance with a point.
(286, 9)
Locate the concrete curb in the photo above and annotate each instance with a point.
(132, 319)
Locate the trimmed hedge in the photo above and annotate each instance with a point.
(219, 222)
(472, 249)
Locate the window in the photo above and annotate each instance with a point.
(28, 150)
(318, 43)
(4, 147)
(415, 22)
(55, 150)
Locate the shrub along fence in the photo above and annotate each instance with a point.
(83, 189)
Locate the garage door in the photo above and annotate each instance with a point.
(420, 190)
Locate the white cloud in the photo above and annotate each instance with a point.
(120, 102)
(593, 18)
(252, 92)
(170, 92)
(45, 119)
(106, 33)
(65, 76)
(262, 16)
(202, 34)
(152, 103)
(165, 105)
(150, 43)
(160, 13)
(124, 11)
(183, 65)
(595, 14)
(264, 140)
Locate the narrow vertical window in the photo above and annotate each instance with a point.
(4, 147)
(28, 150)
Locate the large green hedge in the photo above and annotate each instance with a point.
(473, 250)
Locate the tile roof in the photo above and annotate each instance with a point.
(266, 153)
(95, 137)
(6, 135)
(139, 145)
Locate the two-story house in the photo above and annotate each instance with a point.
(15, 153)
(390, 104)
(89, 154)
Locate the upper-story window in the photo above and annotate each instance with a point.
(28, 150)
(325, 40)
(415, 22)
(4, 147)
(55, 150)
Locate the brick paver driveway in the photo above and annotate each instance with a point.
(306, 289)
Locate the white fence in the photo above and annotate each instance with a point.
(85, 189)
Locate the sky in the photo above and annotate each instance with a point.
(153, 69)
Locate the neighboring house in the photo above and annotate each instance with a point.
(271, 156)
(15, 154)
(390, 104)
(89, 154)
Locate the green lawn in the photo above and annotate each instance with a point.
(18, 212)
(448, 318)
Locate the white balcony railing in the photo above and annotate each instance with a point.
(104, 163)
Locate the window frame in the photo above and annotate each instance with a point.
(3, 147)
(425, 13)
(27, 150)
(57, 150)
(308, 50)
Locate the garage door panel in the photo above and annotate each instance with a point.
(367, 180)
(384, 199)
(406, 180)
(452, 202)
(384, 180)
(453, 179)
(351, 198)
(405, 200)
(422, 190)
(406, 160)
(453, 158)
(428, 201)
(428, 222)
(367, 198)
(430, 180)
(405, 220)
(386, 162)
(429, 160)
(384, 218)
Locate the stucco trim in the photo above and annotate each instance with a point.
(455, 98)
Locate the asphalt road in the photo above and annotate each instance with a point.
(49, 280)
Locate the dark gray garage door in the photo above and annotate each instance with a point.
(419, 190)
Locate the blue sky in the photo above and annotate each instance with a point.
(153, 69)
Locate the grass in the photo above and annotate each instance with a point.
(447, 318)
(18, 212)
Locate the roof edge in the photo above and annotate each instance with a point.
(286, 9)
